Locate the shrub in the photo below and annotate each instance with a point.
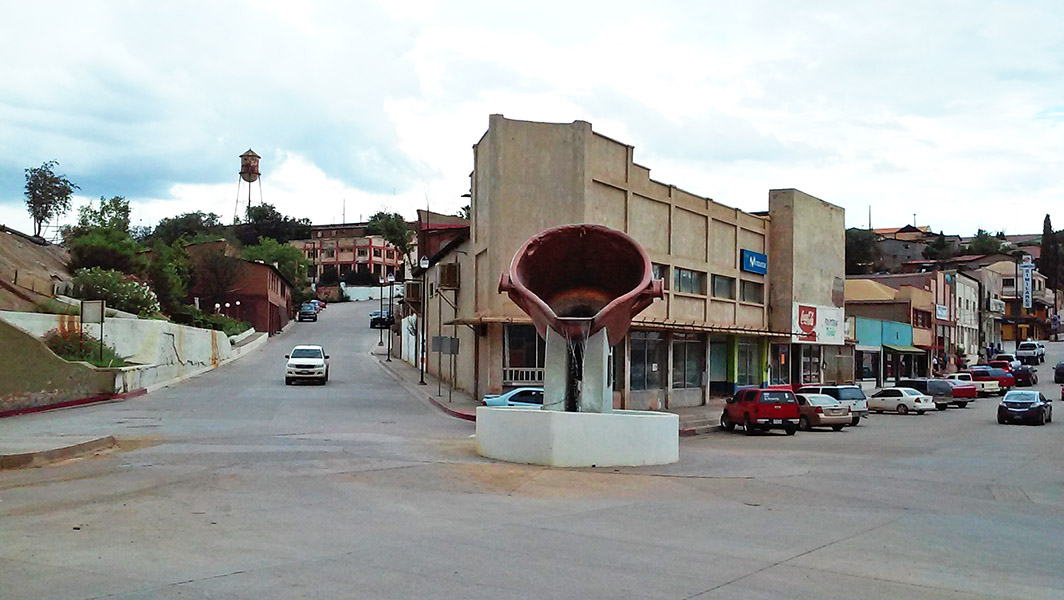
(190, 315)
(73, 345)
(121, 291)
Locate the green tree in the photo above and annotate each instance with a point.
(1049, 259)
(463, 212)
(265, 221)
(329, 276)
(47, 194)
(861, 253)
(984, 243)
(188, 226)
(289, 259)
(392, 227)
(938, 249)
(108, 249)
(111, 214)
(216, 274)
(170, 274)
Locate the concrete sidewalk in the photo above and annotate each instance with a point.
(457, 403)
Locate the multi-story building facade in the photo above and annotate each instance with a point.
(348, 248)
(907, 304)
(711, 332)
(966, 309)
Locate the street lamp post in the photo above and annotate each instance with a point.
(379, 320)
(424, 264)
(391, 315)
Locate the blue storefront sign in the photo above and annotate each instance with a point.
(754, 262)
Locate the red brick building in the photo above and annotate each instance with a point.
(258, 294)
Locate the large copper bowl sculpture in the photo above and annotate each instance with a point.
(579, 279)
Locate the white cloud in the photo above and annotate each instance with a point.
(948, 110)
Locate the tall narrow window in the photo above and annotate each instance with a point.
(688, 360)
(647, 361)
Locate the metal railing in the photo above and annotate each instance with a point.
(522, 375)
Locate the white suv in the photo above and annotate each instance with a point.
(847, 395)
(307, 362)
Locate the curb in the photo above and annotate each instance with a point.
(443, 407)
(43, 457)
(72, 403)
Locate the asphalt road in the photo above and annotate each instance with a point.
(234, 486)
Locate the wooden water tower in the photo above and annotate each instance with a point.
(249, 172)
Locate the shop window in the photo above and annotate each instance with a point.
(752, 291)
(689, 282)
(810, 357)
(660, 272)
(648, 361)
(523, 355)
(779, 364)
(688, 360)
(748, 364)
(724, 287)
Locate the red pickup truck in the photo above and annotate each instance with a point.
(1005, 379)
(761, 409)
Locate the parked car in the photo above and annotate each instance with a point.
(1004, 379)
(940, 390)
(761, 409)
(1004, 365)
(963, 389)
(1011, 358)
(984, 387)
(821, 410)
(1025, 406)
(381, 319)
(901, 400)
(1025, 376)
(849, 395)
(318, 304)
(527, 397)
(1031, 353)
(307, 362)
(1058, 373)
(307, 312)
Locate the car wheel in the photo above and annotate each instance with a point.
(960, 404)
(920, 412)
(725, 422)
(836, 427)
(790, 429)
(902, 409)
(803, 424)
(855, 422)
(1001, 420)
(288, 381)
(1041, 418)
(748, 426)
(940, 406)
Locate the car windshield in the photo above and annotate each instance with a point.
(851, 394)
(997, 372)
(306, 353)
(1021, 397)
(821, 400)
(307, 307)
(778, 398)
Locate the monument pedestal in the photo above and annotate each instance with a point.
(621, 438)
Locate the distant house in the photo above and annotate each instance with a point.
(258, 292)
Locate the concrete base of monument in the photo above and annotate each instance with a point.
(622, 438)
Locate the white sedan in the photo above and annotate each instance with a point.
(307, 362)
(900, 399)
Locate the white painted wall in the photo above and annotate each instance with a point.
(578, 439)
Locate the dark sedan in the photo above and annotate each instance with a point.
(1026, 406)
(1058, 373)
(1025, 375)
(381, 319)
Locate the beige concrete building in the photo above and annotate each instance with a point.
(712, 330)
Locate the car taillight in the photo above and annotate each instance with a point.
(819, 410)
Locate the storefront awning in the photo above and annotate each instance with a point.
(903, 349)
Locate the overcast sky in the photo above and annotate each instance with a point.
(950, 110)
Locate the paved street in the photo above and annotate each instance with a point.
(235, 486)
